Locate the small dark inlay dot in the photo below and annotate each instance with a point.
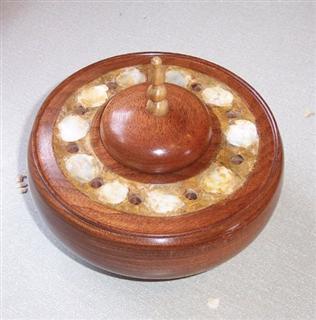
(191, 195)
(72, 147)
(96, 183)
(112, 85)
(237, 159)
(81, 110)
(134, 199)
(233, 114)
(196, 87)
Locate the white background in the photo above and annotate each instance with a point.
(271, 45)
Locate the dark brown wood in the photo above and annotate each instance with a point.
(155, 247)
(168, 177)
(155, 144)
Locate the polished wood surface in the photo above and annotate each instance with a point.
(154, 247)
(166, 177)
(155, 144)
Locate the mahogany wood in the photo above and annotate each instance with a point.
(167, 177)
(155, 144)
(154, 247)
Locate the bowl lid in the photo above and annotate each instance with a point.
(96, 140)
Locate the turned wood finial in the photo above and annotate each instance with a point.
(157, 103)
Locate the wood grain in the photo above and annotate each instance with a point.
(155, 247)
(155, 144)
(167, 177)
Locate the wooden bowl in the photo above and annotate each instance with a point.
(151, 224)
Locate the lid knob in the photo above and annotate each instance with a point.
(157, 103)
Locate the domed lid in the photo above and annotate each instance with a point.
(155, 127)
(243, 160)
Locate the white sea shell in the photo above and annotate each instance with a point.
(113, 192)
(242, 133)
(92, 97)
(219, 180)
(82, 167)
(161, 202)
(217, 96)
(130, 76)
(73, 128)
(177, 77)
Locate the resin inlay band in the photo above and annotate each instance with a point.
(224, 176)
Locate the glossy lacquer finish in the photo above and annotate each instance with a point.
(155, 144)
(154, 247)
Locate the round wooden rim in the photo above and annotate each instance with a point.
(261, 181)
